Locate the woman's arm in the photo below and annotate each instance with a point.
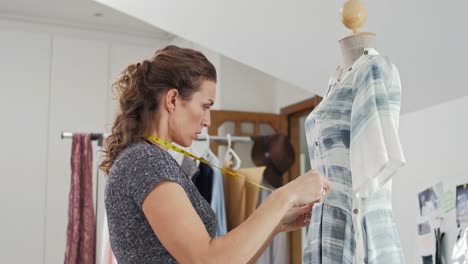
(263, 247)
(183, 234)
(295, 218)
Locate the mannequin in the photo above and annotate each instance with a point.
(352, 47)
(352, 139)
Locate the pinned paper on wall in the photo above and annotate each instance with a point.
(462, 203)
(426, 239)
(429, 200)
(447, 203)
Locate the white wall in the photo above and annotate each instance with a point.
(435, 143)
(120, 56)
(246, 89)
(288, 94)
(243, 88)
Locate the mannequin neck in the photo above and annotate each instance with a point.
(353, 46)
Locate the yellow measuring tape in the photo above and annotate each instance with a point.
(162, 142)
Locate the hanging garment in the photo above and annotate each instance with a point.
(81, 229)
(217, 198)
(204, 181)
(427, 259)
(189, 166)
(209, 183)
(439, 238)
(241, 196)
(278, 251)
(107, 256)
(179, 157)
(352, 140)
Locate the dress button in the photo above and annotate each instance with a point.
(350, 69)
(316, 143)
(355, 211)
(365, 260)
(366, 52)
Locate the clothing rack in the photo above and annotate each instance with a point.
(100, 137)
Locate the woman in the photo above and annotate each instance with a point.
(155, 213)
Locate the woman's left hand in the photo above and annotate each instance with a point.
(296, 218)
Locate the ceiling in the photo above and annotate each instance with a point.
(79, 13)
(294, 41)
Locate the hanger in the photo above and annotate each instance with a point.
(208, 153)
(194, 152)
(231, 156)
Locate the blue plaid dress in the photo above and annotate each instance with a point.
(353, 141)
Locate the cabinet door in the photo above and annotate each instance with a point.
(79, 84)
(24, 92)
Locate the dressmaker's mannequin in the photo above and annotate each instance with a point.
(353, 140)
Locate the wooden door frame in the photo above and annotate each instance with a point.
(292, 113)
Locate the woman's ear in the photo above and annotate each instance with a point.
(170, 99)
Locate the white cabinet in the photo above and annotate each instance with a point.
(24, 92)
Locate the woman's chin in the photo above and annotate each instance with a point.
(187, 143)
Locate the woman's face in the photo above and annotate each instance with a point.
(189, 117)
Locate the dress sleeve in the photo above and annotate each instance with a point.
(151, 168)
(375, 150)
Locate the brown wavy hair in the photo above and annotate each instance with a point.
(139, 87)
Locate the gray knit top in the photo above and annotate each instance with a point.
(134, 174)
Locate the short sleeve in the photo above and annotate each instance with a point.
(151, 167)
(375, 150)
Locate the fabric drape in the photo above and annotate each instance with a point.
(241, 196)
(81, 230)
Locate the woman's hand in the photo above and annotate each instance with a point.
(302, 193)
(295, 218)
(308, 188)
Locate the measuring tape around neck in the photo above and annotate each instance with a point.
(162, 142)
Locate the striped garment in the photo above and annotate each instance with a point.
(353, 141)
